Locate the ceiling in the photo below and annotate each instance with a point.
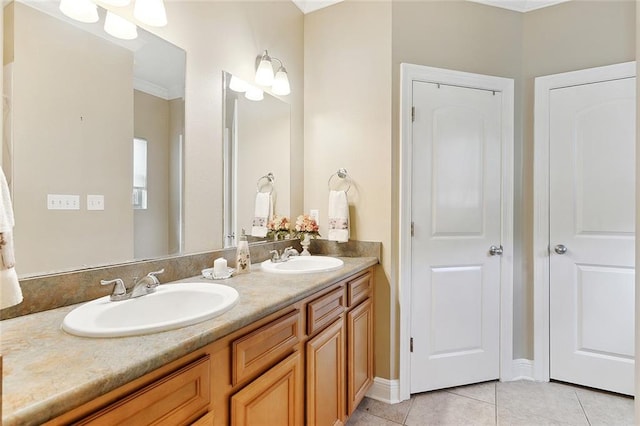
(308, 6)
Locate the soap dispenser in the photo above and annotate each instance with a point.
(243, 257)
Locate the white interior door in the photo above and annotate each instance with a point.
(592, 228)
(456, 214)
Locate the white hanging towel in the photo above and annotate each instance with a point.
(10, 292)
(262, 213)
(338, 216)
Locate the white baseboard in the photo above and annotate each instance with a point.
(385, 390)
(522, 369)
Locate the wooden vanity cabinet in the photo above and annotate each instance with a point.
(339, 356)
(310, 363)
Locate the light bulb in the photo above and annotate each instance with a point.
(150, 12)
(281, 83)
(119, 27)
(264, 73)
(238, 85)
(81, 10)
(254, 94)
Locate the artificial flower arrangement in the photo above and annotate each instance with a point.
(278, 227)
(306, 226)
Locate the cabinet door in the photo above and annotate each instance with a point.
(274, 399)
(360, 353)
(326, 376)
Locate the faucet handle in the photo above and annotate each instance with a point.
(119, 289)
(153, 277)
(275, 255)
(161, 271)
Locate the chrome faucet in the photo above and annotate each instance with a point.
(141, 287)
(287, 253)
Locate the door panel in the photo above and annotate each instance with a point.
(456, 204)
(592, 213)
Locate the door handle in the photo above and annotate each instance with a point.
(495, 250)
(560, 249)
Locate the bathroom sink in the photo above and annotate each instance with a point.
(169, 307)
(303, 265)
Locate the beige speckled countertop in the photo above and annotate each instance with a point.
(47, 372)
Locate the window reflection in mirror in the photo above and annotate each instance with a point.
(77, 99)
(256, 137)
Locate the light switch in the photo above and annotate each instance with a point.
(63, 202)
(315, 215)
(95, 202)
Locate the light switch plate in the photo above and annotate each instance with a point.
(315, 214)
(95, 202)
(63, 202)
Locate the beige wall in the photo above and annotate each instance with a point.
(347, 124)
(151, 225)
(46, 131)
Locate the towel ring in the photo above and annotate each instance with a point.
(342, 174)
(270, 180)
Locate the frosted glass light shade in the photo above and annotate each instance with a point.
(117, 3)
(238, 85)
(81, 10)
(281, 83)
(119, 27)
(150, 12)
(254, 94)
(264, 73)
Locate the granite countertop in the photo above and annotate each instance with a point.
(47, 372)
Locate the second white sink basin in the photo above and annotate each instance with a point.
(169, 307)
(303, 265)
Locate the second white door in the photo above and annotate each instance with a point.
(456, 214)
(592, 234)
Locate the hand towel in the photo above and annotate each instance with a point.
(262, 213)
(10, 292)
(338, 213)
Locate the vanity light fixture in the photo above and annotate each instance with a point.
(281, 82)
(81, 10)
(238, 85)
(264, 75)
(254, 93)
(150, 12)
(119, 27)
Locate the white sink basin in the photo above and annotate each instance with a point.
(169, 307)
(303, 265)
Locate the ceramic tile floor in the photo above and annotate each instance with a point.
(520, 403)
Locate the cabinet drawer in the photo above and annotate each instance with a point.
(324, 310)
(359, 289)
(261, 349)
(179, 398)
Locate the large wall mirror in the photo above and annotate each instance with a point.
(93, 124)
(256, 140)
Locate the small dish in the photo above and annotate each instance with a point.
(208, 273)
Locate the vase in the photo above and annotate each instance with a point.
(306, 241)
